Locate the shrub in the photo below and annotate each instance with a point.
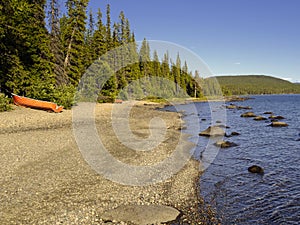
(4, 103)
(64, 95)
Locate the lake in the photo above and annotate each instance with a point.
(240, 197)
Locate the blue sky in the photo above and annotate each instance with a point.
(231, 36)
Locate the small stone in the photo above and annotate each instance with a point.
(258, 118)
(248, 114)
(225, 144)
(256, 169)
(212, 131)
(278, 124)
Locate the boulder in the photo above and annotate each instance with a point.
(225, 144)
(258, 118)
(278, 124)
(256, 169)
(248, 114)
(142, 214)
(213, 131)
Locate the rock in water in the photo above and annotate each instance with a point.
(213, 131)
(276, 117)
(142, 214)
(258, 118)
(278, 124)
(225, 144)
(248, 114)
(256, 169)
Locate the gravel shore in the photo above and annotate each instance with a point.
(45, 180)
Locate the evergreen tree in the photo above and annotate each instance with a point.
(56, 45)
(98, 45)
(25, 55)
(108, 35)
(74, 63)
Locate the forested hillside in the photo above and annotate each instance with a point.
(47, 61)
(256, 84)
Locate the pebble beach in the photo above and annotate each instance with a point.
(45, 180)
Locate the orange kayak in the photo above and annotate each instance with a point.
(36, 104)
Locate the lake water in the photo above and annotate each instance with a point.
(240, 197)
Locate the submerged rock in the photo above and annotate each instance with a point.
(244, 107)
(233, 133)
(248, 114)
(231, 106)
(256, 169)
(276, 117)
(142, 214)
(213, 131)
(268, 112)
(278, 124)
(258, 118)
(225, 144)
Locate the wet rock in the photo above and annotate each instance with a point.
(213, 131)
(142, 214)
(222, 126)
(225, 144)
(268, 112)
(248, 114)
(233, 133)
(278, 124)
(258, 118)
(276, 117)
(231, 106)
(244, 107)
(256, 169)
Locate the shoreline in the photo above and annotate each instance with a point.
(46, 180)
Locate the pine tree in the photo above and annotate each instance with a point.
(108, 36)
(25, 55)
(56, 45)
(74, 32)
(99, 46)
(90, 52)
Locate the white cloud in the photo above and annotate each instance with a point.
(237, 63)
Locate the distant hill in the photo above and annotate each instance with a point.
(256, 84)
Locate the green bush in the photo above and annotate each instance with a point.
(105, 99)
(4, 103)
(64, 95)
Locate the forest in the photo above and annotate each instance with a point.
(256, 84)
(44, 54)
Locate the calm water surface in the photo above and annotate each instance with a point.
(238, 196)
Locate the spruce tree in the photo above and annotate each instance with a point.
(74, 33)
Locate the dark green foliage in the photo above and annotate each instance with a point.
(25, 55)
(50, 64)
(64, 95)
(4, 103)
(256, 84)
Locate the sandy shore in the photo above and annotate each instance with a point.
(45, 180)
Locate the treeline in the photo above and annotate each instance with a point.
(47, 61)
(256, 84)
